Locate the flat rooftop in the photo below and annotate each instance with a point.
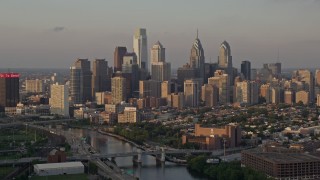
(59, 165)
(283, 158)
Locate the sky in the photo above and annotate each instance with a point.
(54, 33)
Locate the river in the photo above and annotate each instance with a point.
(148, 169)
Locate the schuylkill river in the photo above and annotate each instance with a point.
(148, 169)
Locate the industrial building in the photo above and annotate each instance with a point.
(50, 169)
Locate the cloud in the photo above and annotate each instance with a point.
(58, 28)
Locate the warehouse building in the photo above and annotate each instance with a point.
(50, 169)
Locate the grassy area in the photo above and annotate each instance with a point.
(62, 177)
(4, 171)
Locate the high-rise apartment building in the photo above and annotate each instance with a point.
(59, 103)
(118, 54)
(118, 89)
(185, 72)
(192, 89)
(289, 97)
(243, 93)
(9, 90)
(246, 69)
(81, 69)
(99, 76)
(197, 59)
(34, 86)
(318, 100)
(140, 47)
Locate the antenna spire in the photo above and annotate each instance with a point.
(197, 33)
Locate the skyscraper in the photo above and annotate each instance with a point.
(150, 88)
(140, 47)
(222, 82)
(225, 58)
(210, 94)
(246, 69)
(197, 58)
(130, 66)
(192, 92)
(118, 89)
(59, 103)
(84, 65)
(158, 53)
(119, 52)
(99, 76)
(76, 85)
(9, 90)
(161, 70)
(306, 76)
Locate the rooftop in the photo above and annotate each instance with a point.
(59, 165)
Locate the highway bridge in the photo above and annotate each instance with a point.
(23, 123)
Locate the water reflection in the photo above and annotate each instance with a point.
(147, 170)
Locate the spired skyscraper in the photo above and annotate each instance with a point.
(140, 47)
(197, 58)
(225, 60)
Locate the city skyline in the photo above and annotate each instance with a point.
(53, 36)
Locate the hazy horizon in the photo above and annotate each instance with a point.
(52, 34)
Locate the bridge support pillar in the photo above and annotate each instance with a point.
(161, 159)
(137, 158)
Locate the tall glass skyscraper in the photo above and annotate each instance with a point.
(140, 47)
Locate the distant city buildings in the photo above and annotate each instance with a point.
(34, 86)
(197, 59)
(246, 69)
(119, 52)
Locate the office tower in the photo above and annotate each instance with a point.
(118, 54)
(225, 58)
(158, 53)
(192, 89)
(209, 69)
(140, 47)
(265, 92)
(222, 81)
(9, 90)
(131, 67)
(59, 103)
(276, 95)
(185, 72)
(275, 69)
(165, 89)
(253, 74)
(318, 100)
(160, 69)
(197, 58)
(289, 97)
(302, 96)
(317, 77)
(76, 85)
(243, 95)
(83, 65)
(305, 76)
(118, 89)
(210, 95)
(149, 88)
(246, 69)
(177, 100)
(99, 76)
(57, 78)
(254, 91)
(34, 86)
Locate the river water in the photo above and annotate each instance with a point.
(148, 170)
